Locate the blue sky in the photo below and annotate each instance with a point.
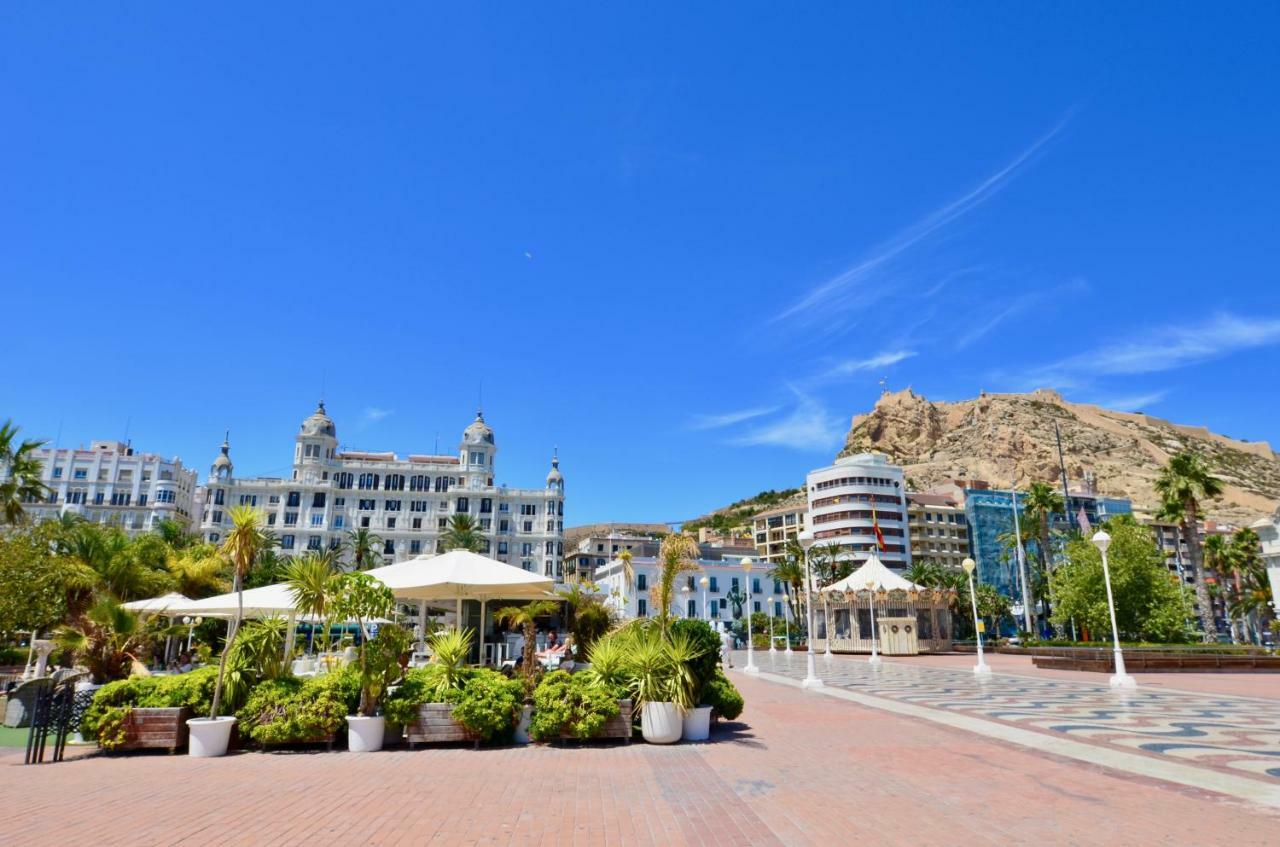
(685, 245)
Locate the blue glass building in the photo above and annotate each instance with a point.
(990, 515)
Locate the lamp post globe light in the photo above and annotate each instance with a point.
(875, 659)
(751, 654)
(980, 670)
(1120, 679)
(811, 680)
(685, 593)
(706, 610)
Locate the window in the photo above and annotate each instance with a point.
(393, 482)
(504, 525)
(528, 509)
(290, 518)
(219, 497)
(777, 587)
(343, 480)
(642, 582)
(391, 523)
(442, 523)
(417, 523)
(713, 587)
(486, 506)
(415, 547)
(317, 500)
(476, 457)
(526, 549)
(273, 500)
(502, 548)
(286, 542)
(271, 519)
(777, 609)
(364, 521)
(755, 588)
(486, 524)
(368, 481)
(503, 508)
(392, 505)
(57, 473)
(733, 583)
(419, 483)
(217, 513)
(339, 521)
(366, 505)
(80, 473)
(551, 526)
(463, 504)
(389, 549)
(528, 526)
(314, 542)
(317, 519)
(339, 502)
(692, 610)
(642, 608)
(755, 606)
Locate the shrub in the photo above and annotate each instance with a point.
(721, 695)
(435, 683)
(570, 703)
(487, 704)
(289, 710)
(706, 642)
(105, 717)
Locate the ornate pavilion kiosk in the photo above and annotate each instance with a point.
(911, 618)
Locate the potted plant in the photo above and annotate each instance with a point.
(424, 701)
(702, 639)
(210, 736)
(662, 682)
(360, 597)
(578, 706)
(526, 617)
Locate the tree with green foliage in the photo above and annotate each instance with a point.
(462, 533)
(1183, 485)
(363, 547)
(35, 581)
(525, 617)
(241, 548)
(20, 471)
(1040, 504)
(678, 554)
(1149, 601)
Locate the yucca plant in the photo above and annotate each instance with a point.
(609, 660)
(449, 652)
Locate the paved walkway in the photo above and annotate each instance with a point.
(1232, 742)
(799, 768)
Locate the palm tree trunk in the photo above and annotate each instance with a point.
(226, 648)
(1191, 533)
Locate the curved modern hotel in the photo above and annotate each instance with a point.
(849, 498)
(405, 502)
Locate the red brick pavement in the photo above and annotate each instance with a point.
(799, 769)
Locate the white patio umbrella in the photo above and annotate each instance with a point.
(461, 575)
(264, 602)
(169, 605)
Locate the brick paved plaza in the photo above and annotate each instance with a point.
(799, 768)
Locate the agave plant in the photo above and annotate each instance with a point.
(609, 660)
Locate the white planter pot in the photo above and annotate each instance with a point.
(697, 724)
(522, 728)
(364, 735)
(209, 737)
(661, 723)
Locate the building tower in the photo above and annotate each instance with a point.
(555, 479)
(316, 447)
(477, 453)
(221, 469)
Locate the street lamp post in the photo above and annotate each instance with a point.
(786, 614)
(773, 643)
(811, 673)
(191, 623)
(751, 653)
(684, 592)
(980, 670)
(826, 627)
(1120, 679)
(706, 610)
(875, 659)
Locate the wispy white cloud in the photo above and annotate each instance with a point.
(1164, 349)
(1131, 402)
(373, 415)
(809, 426)
(729, 418)
(851, 288)
(1014, 306)
(849, 367)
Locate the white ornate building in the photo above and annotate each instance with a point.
(406, 502)
(848, 499)
(111, 483)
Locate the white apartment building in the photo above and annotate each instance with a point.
(712, 602)
(111, 483)
(775, 528)
(847, 498)
(937, 529)
(406, 502)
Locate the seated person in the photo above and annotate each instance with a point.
(554, 649)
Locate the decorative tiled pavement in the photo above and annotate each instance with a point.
(1231, 734)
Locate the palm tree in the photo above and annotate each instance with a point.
(175, 534)
(790, 571)
(1249, 589)
(363, 546)
(463, 533)
(1040, 503)
(526, 617)
(198, 571)
(105, 640)
(309, 579)
(628, 575)
(20, 481)
(678, 554)
(241, 548)
(926, 573)
(1183, 484)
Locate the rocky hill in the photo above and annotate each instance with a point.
(998, 435)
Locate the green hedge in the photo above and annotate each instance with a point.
(571, 703)
(104, 719)
(723, 696)
(289, 710)
(487, 702)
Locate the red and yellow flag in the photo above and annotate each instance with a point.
(875, 525)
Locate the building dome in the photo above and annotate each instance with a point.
(222, 466)
(319, 423)
(478, 432)
(555, 479)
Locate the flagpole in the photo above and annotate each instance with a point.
(1022, 559)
